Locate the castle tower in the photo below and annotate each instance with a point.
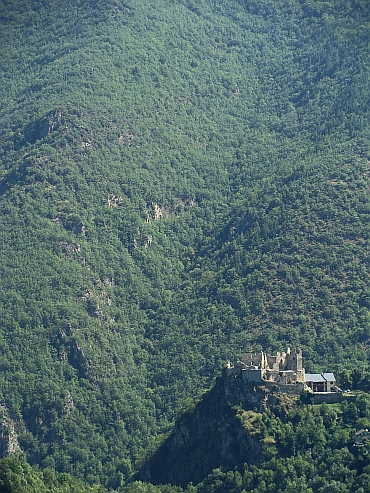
(297, 355)
(263, 360)
(294, 360)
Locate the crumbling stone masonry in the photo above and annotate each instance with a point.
(283, 368)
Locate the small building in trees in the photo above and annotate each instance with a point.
(320, 382)
(361, 437)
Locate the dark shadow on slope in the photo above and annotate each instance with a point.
(14, 176)
(207, 437)
(39, 129)
(32, 133)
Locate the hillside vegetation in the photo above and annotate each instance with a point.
(178, 180)
(289, 447)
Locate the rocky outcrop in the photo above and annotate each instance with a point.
(71, 352)
(209, 436)
(9, 445)
(259, 397)
(221, 431)
(41, 128)
(50, 123)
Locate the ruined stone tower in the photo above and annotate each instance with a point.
(294, 360)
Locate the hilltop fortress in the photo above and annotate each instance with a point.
(283, 369)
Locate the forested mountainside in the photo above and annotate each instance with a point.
(178, 180)
(232, 444)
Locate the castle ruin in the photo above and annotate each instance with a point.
(284, 368)
(285, 371)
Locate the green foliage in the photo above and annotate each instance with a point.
(311, 449)
(178, 180)
(18, 477)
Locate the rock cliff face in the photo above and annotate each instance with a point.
(221, 431)
(258, 397)
(9, 445)
(42, 127)
(213, 434)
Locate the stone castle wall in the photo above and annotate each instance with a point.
(328, 397)
(283, 368)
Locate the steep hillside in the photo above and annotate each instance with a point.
(178, 180)
(287, 446)
(291, 263)
(210, 435)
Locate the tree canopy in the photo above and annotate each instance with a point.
(178, 180)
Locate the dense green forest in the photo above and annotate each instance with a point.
(179, 180)
(309, 449)
(300, 448)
